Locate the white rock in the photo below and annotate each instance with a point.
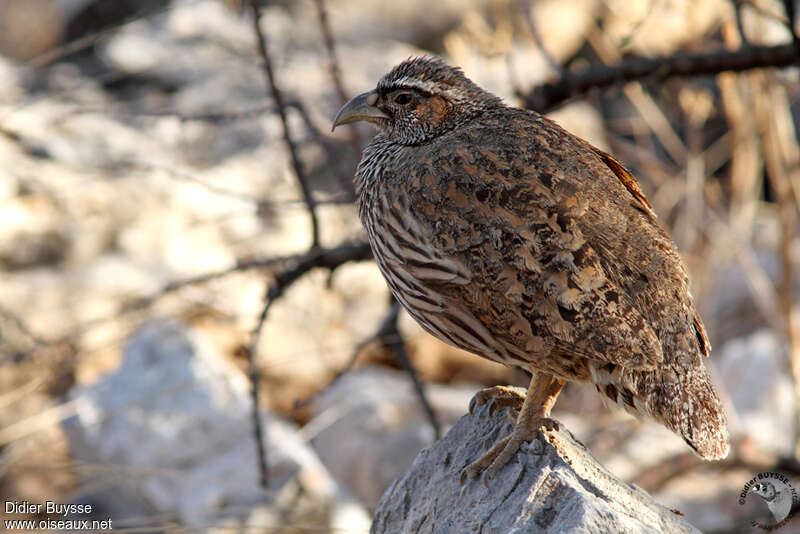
(174, 422)
(542, 489)
(754, 371)
(370, 426)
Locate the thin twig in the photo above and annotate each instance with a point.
(764, 12)
(245, 264)
(330, 258)
(654, 477)
(349, 365)
(86, 41)
(547, 96)
(287, 137)
(23, 327)
(737, 9)
(141, 303)
(255, 393)
(213, 117)
(177, 174)
(788, 5)
(330, 47)
(317, 257)
(390, 338)
(180, 175)
(747, 453)
(336, 78)
(528, 9)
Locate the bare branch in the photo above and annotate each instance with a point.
(763, 11)
(788, 5)
(528, 9)
(390, 337)
(331, 259)
(213, 117)
(179, 175)
(245, 264)
(548, 96)
(351, 362)
(333, 62)
(336, 78)
(86, 41)
(138, 304)
(22, 327)
(262, 205)
(737, 9)
(287, 137)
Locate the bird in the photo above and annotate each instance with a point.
(505, 235)
(779, 502)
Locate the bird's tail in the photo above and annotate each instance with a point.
(695, 413)
(682, 400)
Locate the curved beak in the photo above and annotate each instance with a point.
(360, 108)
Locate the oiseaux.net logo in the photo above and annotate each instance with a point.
(775, 492)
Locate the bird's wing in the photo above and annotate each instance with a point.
(640, 203)
(511, 208)
(627, 180)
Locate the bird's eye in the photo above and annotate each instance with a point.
(403, 99)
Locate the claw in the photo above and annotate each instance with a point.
(532, 416)
(501, 452)
(472, 405)
(498, 397)
(478, 466)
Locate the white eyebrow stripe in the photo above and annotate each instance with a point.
(409, 82)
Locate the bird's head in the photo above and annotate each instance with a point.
(765, 490)
(418, 100)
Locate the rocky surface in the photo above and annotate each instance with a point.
(764, 405)
(549, 486)
(173, 429)
(381, 409)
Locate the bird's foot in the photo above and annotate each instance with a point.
(499, 397)
(499, 455)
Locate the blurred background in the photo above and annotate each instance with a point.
(148, 198)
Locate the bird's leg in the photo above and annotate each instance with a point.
(534, 414)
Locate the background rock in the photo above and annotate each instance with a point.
(173, 427)
(754, 369)
(382, 410)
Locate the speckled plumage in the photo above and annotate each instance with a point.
(505, 235)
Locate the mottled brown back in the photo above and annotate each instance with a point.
(503, 234)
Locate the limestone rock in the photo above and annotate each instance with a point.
(370, 425)
(764, 405)
(556, 487)
(172, 425)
